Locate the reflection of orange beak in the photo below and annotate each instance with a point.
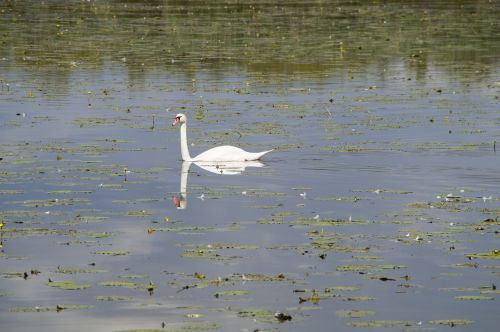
(176, 121)
(176, 201)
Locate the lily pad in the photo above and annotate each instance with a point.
(68, 285)
(494, 254)
(451, 322)
(382, 323)
(231, 293)
(474, 297)
(111, 253)
(113, 298)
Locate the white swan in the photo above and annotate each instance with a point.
(220, 153)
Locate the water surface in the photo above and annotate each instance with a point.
(378, 207)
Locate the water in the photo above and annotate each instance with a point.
(378, 206)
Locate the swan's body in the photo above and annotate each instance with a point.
(220, 153)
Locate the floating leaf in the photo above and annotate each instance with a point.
(69, 285)
(112, 298)
(451, 322)
(473, 297)
(382, 323)
(231, 293)
(111, 253)
(494, 254)
(141, 213)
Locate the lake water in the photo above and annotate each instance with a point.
(378, 207)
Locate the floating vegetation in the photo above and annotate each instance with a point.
(67, 285)
(128, 284)
(473, 297)
(207, 254)
(58, 307)
(78, 270)
(69, 192)
(261, 315)
(12, 274)
(382, 323)
(182, 228)
(359, 298)
(112, 253)
(356, 268)
(231, 293)
(494, 254)
(451, 322)
(113, 298)
(141, 213)
(220, 246)
(343, 288)
(11, 192)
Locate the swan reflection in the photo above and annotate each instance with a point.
(221, 168)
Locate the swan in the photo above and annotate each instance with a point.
(217, 154)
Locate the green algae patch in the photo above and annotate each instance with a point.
(68, 192)
(97, 235)
(261, 277)
(182, 228)
(221, 246)
(354, 313)
(358, 268)
(118, 283)
(90, 218)
(451, 322)
(382, 323)
(132, 276)
(112, 253)
(11, 192)
(342, 288)
(140, 213)
(113, 298)
(57, 308)
(473, 297)
(207, 254)
(494, 254)
(73, 307)
(262, 315)
(182, 328)
(78, 270)
(12, 274)
(67, 285)
(127, 284)
(359, 298)
(231, 293)
(32, 309)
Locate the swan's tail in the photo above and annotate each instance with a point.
(258, 155)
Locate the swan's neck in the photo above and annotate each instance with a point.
(184, 146)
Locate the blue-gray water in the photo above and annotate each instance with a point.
(377, 208)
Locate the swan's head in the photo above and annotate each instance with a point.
(179, 118)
